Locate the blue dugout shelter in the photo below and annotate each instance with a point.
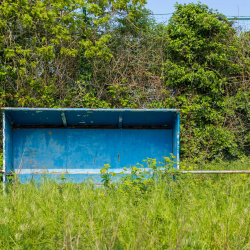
(78, 142)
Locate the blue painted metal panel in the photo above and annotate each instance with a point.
(120, 148)
(34, 117)
(7, 145)
(150, 118)
(176, 136)
(82, 109)
(82, 151)
(88, 148)
(39, 148)
(92, 117)
(131, 117)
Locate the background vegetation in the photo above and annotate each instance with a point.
(112, 54)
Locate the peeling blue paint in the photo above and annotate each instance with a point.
(64, 120)
(176, 141)
(7, 146)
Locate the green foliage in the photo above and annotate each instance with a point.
(106, 175)
(192, 212)
(207, 82)
(139, 179)
(53, 55)
(196, 63)
(42, 42)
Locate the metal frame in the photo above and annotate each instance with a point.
(216, 172)
(90, 109)
(66, 124)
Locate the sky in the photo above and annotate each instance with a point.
(226, 7)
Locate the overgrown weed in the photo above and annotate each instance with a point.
(190, 212)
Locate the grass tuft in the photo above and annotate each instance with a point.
(191, 212)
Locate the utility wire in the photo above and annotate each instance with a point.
(228, 17)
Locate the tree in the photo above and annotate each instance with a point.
(117, 56)
(208, 75)
(41, 43)
(132, 77)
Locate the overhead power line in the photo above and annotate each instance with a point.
(228, 17)
(238, 18)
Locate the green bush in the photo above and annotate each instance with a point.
(203, 71)
(52, 55)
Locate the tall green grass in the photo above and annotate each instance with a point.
(191, 212)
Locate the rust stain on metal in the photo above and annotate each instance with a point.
(118, 157)
(36, 126)
(50, 132)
